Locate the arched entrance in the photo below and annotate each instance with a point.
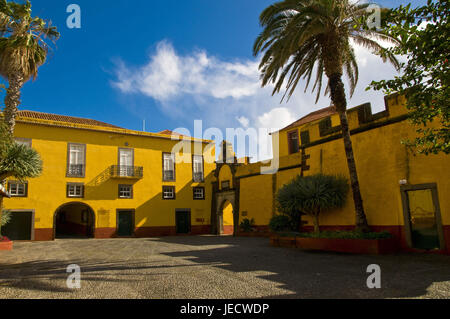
(226, 219)
(74, 220)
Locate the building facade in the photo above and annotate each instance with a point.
(102, 181)
(404, 193)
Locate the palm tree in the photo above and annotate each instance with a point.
(17, 161)
(23, 49)
(306, 37)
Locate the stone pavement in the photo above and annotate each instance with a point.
(211, 267)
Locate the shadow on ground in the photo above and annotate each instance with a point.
(320, 274)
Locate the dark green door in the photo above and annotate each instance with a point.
(183, 220)
(125, 224)
(20, 226)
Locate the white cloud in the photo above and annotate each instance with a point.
(224, 92)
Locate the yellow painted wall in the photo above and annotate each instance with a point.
(225, 174)
(228, 219)
(48, 192)
(382, 161)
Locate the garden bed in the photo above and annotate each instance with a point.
(6, 244)
(373, 243)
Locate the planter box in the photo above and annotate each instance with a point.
(350, 246)
(6, 244)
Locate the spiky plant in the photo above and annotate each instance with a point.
(24, 44)
(312, 195)
(303, 38)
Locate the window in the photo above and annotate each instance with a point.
(76, 160)
(168, 167)
(293, 142)
(199, 193)
(197, 168)
(168, 192)
(18, 189)
(304, 136)
(126, 162)
(226, 185)
(125, 191)
(23, 141)
(75, 190)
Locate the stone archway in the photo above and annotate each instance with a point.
(222, 199)
(74, 220)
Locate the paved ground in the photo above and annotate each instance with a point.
(211, 267)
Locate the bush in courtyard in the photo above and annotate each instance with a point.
(280, 223)
(311, 195)
(247, 225)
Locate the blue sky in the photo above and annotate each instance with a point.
(168, 62)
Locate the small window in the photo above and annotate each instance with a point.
(168, 192)
(75, 190)
(18, 189)
(304, 136)
(23, 141)
(226, 185)
(168, 167)
(294, 146)
(199, 193)
(125, 191)
(197, 168)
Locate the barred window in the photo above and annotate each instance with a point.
(197, 167)
(125, 191)
(168, 167)
(75, 190)
(199, 193)
(168, 192)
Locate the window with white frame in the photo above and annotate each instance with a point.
(23, 141)
(168, 192)
(77, 155)
(199, 193)
(75, 190)
(125, 191)
(168, 167)
(197, 167)
(17, 189)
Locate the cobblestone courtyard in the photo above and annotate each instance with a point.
(211, 267)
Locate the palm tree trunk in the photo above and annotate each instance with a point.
(12, 100)
(339, 100)
(316, 224)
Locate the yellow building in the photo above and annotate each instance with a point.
(404, 193)
(102, 181)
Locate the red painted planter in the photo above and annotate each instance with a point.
(350, 246)
(6, 244)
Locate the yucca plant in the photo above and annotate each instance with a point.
(306, 38)
(24, 44)
(312, 195)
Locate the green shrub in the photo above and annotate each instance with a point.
(280, 223)
(247, 225)
(5, 218)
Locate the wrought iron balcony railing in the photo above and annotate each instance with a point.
(169, 176)
(198, 177)
(118, 171)
(75, 170)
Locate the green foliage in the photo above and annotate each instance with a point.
(305, 39)
(23, 39)
(247, 225)
(346, 235)
(312, 195)
(280, 223)
(18, 161)
(423, 34)
(5, 219)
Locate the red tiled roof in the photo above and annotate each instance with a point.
(314, 116)
(171, 133)
(63, 118)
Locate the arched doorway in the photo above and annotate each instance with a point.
(74, 220)
(226, 219)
